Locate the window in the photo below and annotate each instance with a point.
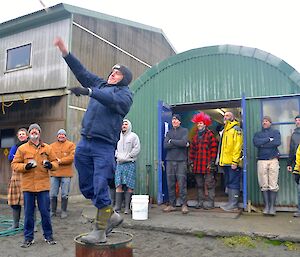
(18, 57)
(7, 138)
(282, 112)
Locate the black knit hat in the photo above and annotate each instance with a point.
(176, 116)
(298, 116)
(127, 75)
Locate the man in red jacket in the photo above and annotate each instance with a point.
(203, 152)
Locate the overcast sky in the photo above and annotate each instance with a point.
(270, 25)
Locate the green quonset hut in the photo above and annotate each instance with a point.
(248, 81)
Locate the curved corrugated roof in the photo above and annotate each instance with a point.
(200, 76)
(247, 61)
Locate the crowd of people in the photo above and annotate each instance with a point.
(105, 159)
(40, 171)
(207, 154)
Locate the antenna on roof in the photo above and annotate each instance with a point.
(44, 6)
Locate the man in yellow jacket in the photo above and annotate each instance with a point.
(296, 173)
(61, 178)
(34, 160)
(230, 158)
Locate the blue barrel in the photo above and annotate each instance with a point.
(119, 244)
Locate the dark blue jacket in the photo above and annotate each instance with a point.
(267, 149)
(108, 104)
(12, 152)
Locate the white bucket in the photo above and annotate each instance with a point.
(139, 207)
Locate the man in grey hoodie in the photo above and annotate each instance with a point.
(127, 151)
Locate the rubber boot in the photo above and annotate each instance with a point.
(16, 218)
(210, 203)
(200, 198)
(272, 199)
(64, 205)
(297, 214)
(119, 200)
(53, 203)
(233, 200)
(127, 202)
(114, 221)
(266, 201)
(98, 235)
(112, 193)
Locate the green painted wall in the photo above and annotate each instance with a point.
(209, 74)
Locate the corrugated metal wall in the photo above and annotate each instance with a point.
(287, 194)
(47, 71)
(206, 75)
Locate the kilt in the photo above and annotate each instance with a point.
(15, 194)
(125, 174)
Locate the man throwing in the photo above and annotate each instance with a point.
(94, 159)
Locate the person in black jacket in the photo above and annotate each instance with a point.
(267, 141)
(109, 103)
(295, 141)
(176, 143)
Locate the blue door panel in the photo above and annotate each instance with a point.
(164, 124)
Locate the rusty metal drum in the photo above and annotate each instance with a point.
(119, 244)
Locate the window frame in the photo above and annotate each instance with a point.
(282, 155)
(25, 66)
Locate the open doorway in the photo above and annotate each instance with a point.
(216, 111)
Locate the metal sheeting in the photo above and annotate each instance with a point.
(287, 194)
(206, 75)
(47, 69)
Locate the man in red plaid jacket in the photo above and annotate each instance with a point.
(203, 152)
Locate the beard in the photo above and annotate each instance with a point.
(34, 137)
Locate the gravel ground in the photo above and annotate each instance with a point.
(145, 243)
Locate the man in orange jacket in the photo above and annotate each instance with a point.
(34, 160)
(61, 178)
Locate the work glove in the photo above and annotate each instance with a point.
(212, 167)
(47, 165)
(29, 166)
(78, 91)
(297, 178)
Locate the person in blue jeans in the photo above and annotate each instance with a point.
(61, 178)
(109, 103)
(34, 160)
(230, 154)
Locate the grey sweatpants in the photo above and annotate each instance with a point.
(176, 171)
